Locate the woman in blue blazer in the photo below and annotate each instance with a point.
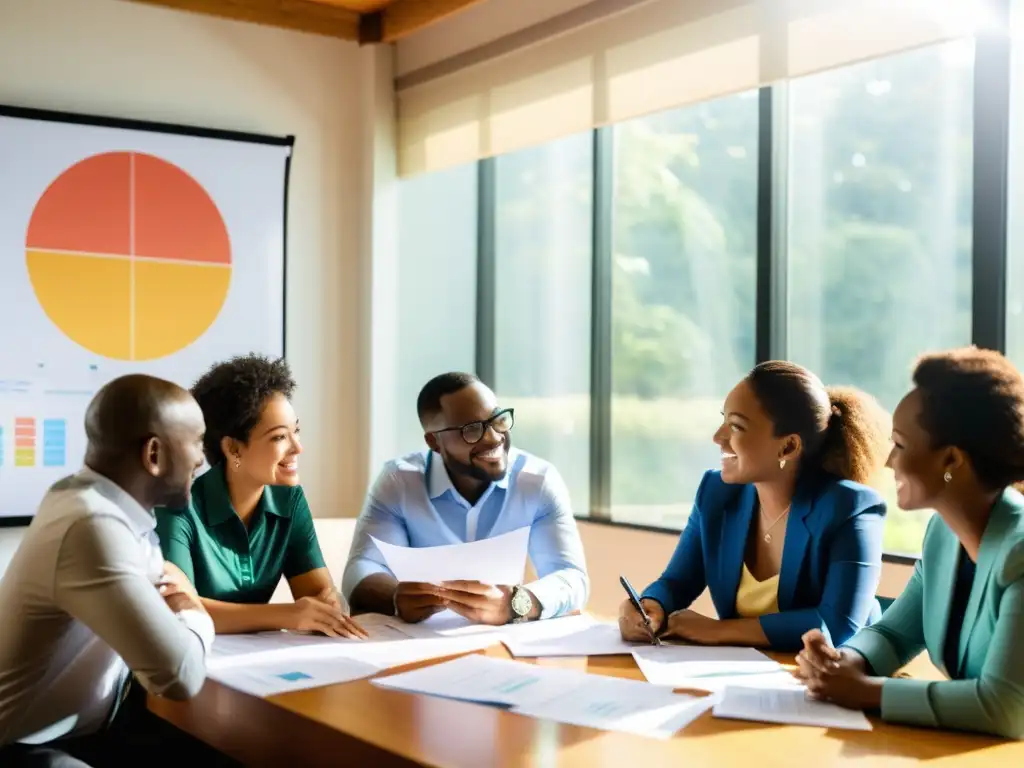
(786, 536)
(958, 446)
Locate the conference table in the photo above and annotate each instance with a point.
(360, 724)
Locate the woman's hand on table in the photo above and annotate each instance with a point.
(314, 614)
(837, 676)
(631, 623)
(694, 627)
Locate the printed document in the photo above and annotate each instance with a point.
(273, 677)
(267, 663)
(244, 649)
(792, 707)
(497, 560)
(710, 668)
(615, 704)
(570, 636)
(562, 695)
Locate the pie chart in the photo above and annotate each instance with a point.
(128, 256)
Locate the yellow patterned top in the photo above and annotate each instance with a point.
(756, 598)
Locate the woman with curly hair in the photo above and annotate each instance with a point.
(787, 535)
(247, 523)
(958, 448)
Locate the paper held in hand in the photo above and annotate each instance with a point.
(497, 560)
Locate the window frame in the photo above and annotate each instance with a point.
(991, 116)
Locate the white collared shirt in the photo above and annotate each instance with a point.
(414, 504)
(439, 484)
(80, 609)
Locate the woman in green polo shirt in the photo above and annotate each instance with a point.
(248, 523)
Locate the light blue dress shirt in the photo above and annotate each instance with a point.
(414, 504)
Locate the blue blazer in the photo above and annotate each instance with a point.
(831, 557)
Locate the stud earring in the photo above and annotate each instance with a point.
(782, 464)
(948, 476)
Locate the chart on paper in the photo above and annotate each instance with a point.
(128, 256)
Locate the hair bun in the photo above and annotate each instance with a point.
(836, 417)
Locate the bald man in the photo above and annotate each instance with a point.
(87, 600)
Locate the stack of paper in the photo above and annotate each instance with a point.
(268, 663)
(561, 695)
(710, 668)
(268, 678)
(232, 650)
(451, 624)
(570, 636)
(791, 707)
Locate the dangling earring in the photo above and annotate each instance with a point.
(238, 463)
(782, 464)
(948, 476)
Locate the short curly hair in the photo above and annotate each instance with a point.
(973, 399)
(232, 396)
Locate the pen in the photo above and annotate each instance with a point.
(635, 600)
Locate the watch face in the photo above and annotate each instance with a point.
(521, 602)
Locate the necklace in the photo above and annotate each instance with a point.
(767, 533)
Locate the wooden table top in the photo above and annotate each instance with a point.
(359, 724)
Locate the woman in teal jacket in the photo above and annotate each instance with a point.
(958, 447)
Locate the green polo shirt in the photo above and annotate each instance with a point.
(224, 561)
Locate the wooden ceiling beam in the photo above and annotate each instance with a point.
(301, 15)
(403, 17)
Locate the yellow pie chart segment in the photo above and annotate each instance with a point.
(129, 256)
(87, 297)
(164, 321)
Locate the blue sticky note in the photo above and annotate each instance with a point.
(291, 677)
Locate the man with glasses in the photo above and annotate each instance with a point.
(470, 485)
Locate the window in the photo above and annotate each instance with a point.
(543, 264)
(880, 191)
(436, 287)
(1015, 224)
(683, 297)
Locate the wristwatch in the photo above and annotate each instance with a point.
(522, 604)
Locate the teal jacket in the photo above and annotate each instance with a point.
(988, 693)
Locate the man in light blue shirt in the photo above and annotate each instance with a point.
(470, 485)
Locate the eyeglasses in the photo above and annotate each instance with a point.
(474, 431)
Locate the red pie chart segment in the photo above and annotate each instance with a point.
(98, 222)
(166, 196)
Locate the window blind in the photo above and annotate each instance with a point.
(652, 56)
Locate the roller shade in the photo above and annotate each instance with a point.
(654, 56)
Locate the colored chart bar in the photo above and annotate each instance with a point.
(55, 444)
(24, 442)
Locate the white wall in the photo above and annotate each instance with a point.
(117, 58)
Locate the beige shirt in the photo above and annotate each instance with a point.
(79, 607)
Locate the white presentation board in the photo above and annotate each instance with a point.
(125, 247)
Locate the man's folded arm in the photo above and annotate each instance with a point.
(101, 581)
